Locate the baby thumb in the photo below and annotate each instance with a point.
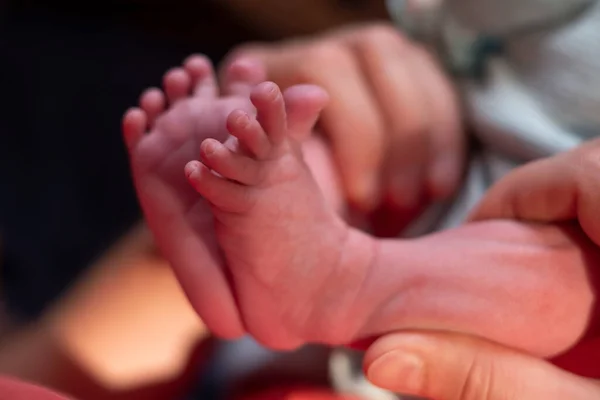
(452, 367)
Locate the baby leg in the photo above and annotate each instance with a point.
(295, 264)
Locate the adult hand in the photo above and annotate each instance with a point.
(562, 188)
(452, 367)
(393, 121)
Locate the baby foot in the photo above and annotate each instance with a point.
(180, 220)
(296, 266)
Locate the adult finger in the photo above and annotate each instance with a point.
(351, 121)
(386, 58)
(447, 139)
(563, 187)
(452, 367)
(421, 111)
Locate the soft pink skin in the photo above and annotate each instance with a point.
(180, 220)
(299, 273)
(272, 219)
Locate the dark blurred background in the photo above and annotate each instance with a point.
(68, 72)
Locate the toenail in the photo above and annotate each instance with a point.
(192, 169)
(209, 147)
(242, 119)
(272, 90)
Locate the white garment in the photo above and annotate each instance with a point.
(539, 97)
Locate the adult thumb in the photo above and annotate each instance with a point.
(444, 366)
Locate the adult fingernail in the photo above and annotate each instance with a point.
(399, 371)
